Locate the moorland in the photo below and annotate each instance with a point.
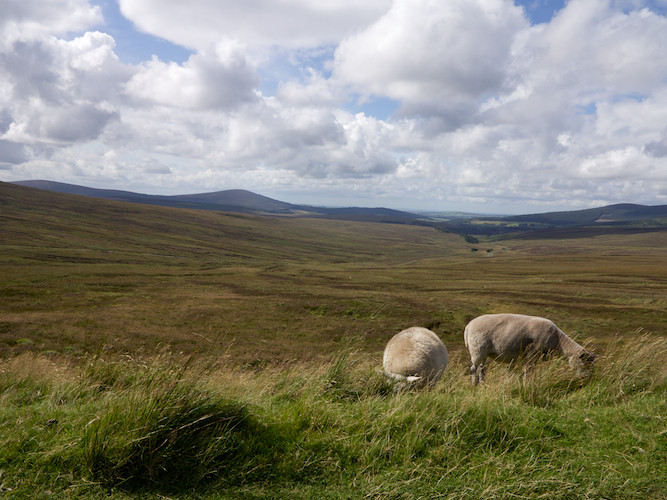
(153, 351)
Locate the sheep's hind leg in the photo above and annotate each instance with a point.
(482, 371)
(477, 371)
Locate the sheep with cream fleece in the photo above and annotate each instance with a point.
(415, 357)
(507, 337)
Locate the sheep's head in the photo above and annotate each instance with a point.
(583, 364)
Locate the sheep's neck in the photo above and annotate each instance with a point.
(569, 347)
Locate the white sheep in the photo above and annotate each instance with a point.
(414, 358)
(506, 337)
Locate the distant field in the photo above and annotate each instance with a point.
(80, 275)
(148, 352)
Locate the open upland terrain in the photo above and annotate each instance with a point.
(156, 351)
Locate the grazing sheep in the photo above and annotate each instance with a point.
(415, 357)
(507, 337)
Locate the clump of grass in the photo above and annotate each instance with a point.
(164, 441)
(631, 365)
(349, 377)
(160, 428)
(133, 426)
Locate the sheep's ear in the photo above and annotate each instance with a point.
(412, 379)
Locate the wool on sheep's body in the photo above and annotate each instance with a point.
(415, 357)
(507, 337)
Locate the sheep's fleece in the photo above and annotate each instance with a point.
(415, 354)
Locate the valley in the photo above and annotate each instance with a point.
(83, 274)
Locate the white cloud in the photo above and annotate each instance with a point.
(24, 20)
(433, 55)
(287, 23)
(317, 90)
(221, 79)
(59, 91)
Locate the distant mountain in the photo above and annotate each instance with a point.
(619, 218)
(233, 200)
(236, 199)
(620, 213)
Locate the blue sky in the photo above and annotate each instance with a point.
(471, 105)
(132, 45)
(541, 11)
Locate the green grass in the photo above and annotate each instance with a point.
(162, 427)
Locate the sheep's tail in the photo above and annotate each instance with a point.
(399, 378)
(465, 336)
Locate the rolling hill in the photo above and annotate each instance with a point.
(147, 351)
(233, 200)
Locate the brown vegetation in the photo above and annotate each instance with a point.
(82, 275)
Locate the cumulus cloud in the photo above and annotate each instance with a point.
(36, 19)
(432, 53)
(57, 90)
(286, 23)
(221, 79)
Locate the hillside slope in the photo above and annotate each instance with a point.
(80, 273)
(39, 219)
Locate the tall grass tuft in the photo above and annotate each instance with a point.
(349, 377)
(632, 365)
(159, 429)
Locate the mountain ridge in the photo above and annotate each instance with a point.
(231, 200)
(240, 200)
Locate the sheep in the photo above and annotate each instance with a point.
(507, 337)
(414, 358)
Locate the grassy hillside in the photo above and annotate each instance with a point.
(153, 352)
(134, 276)
(41, 219)
(79, 274)
(622, 212)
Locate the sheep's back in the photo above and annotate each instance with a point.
(415, 352)
(507, 336)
